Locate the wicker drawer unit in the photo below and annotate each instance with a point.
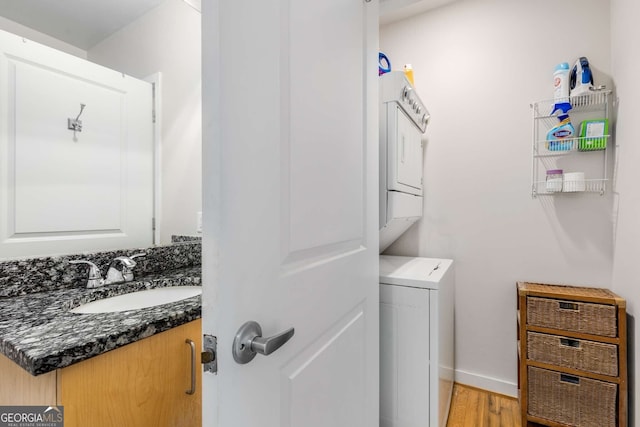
(596, 319)
(584, 355)
(572, 351)
(573, 400)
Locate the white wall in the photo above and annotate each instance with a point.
(167, 40)
(478, 65)
(625, 32)
(36, 36)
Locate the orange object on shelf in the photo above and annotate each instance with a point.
(408, 71)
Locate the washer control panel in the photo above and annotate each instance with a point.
(395, 87)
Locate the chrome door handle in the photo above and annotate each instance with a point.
(249, 342)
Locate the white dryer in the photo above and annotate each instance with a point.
(416, 341)
(403, 120)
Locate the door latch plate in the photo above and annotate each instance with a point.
(209, 354)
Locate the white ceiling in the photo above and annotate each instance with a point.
(82, 23)
(396, 10)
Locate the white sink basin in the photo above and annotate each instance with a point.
(140, 299)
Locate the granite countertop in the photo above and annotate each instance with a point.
(38, 332)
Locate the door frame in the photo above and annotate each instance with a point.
(156, 83)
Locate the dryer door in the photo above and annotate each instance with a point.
(405, 155)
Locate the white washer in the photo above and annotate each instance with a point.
(416, 341)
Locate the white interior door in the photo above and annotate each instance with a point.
(290, 209)
(63, 191)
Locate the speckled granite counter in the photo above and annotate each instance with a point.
(50, 273)
(185, 238)
(38, 332)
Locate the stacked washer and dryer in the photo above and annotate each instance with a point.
(416, 294)
(403, 120)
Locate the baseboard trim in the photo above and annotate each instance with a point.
(487, 383)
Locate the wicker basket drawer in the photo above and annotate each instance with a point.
(575, 401)
(596, 319)
(590, 356)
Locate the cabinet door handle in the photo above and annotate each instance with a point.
(192, 347)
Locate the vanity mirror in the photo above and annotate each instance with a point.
(99, 177)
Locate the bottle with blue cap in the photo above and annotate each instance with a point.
(561, 83)
(559, 138)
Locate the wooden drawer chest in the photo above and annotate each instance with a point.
(572, 356)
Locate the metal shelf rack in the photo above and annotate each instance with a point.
(568, 156)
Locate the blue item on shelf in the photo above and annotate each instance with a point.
(581, 78)
(560, 137)
(382, 69)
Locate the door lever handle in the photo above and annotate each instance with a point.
(249, 342)
(266, 346)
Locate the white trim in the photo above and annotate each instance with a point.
(494, 385)
(156, 80)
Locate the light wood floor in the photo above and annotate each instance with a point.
(472, 407)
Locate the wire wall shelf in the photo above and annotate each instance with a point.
(581, 153)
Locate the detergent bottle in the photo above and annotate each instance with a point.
(561, 83)
(560, 137)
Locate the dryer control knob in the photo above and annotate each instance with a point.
(406, 93)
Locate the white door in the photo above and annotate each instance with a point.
(63, 191)
(290, 209)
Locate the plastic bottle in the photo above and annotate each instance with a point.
(408, 71)
(561, 83)
(560, 137)
(554, 180)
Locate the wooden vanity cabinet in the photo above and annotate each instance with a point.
(141, 384)
(19, 388)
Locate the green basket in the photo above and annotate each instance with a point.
(593, 135)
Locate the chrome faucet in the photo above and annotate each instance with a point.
(125, 274)
(95, 279)
(114, 275)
